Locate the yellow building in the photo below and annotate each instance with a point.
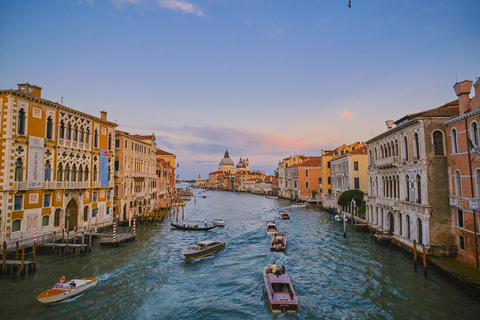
(55, 168)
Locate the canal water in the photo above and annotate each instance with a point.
(334, 278)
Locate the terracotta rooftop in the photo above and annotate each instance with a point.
(361, 150)
(448, 110)
(309, 163)
(160, 152)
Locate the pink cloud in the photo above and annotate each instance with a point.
(181, 5)
(346, 114)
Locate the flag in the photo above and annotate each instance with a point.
(470, 144)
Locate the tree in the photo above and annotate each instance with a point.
(346, 198)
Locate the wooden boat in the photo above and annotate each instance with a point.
(219, 222)
(280, 291)
(189, 227)
(284, 215)
(299, 205)
(203, 248)
(279, 243)
(271, 228)
(66, 290)
(272, 197)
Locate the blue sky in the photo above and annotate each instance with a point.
(265, 79)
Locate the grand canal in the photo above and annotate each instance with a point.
(334, 278)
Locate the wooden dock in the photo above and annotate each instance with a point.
(119, 238)
(14, 260)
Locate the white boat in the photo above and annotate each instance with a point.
(272, 197)
(219, 222)
(203, 248)
(66, 289)
(299, 205)
(271, 228)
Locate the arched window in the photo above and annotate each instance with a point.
(86, 174)
(48, 171)
(19, 170)
(458, 183)
(69, 131)
(407, 227)
(417, 145)
(376, 156)
(62, 130)
(474, 134)
(419, 189)
(116, 191)
(80, 138)
(389, 150)
(49, 128)
(109, 141)
(454, 141)
(95, 139)
(74, 173)
(407, 188)
(87, 136)
(59, 172)
(400, 231)
(67, 172)
(405, 142)
(419, 231)
(396, 147)
(21, 122)
(438, 143)
(75, 134)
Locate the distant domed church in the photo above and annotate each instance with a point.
(227, 165)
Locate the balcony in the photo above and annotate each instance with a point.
(65, 184)
(474, 203)
(392, 203)
(456, 201)
(387, 162)
(20, 185)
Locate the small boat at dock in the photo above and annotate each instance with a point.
(279, 243)
(271, 228)
(284, 215)
(272, 197)
(299, 205)
(219, 222)
(203, 248)
(189, 227)
(280, 291)
(66, 289)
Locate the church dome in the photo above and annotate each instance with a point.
(241, 164)
(226, 164)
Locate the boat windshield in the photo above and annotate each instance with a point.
(281, 287)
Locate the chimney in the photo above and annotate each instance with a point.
(389, 124)
(103, 115)
(28, 88)
(462, 90)
(475, 102)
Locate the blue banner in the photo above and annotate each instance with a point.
(103, 168)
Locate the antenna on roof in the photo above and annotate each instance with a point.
(61, 101)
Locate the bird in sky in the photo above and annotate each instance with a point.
(349, 3)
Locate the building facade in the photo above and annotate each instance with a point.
(463, 152)
(56, 168)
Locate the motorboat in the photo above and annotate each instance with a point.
(271, 228)
(66, 289)
(219, 222)
(284, 215)
(192, 227)
(299, 205)
(272, 197)
(203, 248)
(280, 291)
(279, 243)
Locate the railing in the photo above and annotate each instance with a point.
(20, 185)
(393, 203)
(387, 161)
(456, 201)
(474, 203)
(66, 184)
(96, 184)
(74, 144)
(80, 145)
(68, 143)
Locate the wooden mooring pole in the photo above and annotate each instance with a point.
(344, 226)
(415, 254)
(424, 260)
(4, 255)
(22, 266)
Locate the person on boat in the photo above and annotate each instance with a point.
(205, 221)
(73, 284)
(274, 267)
(184, 223)
(61, 282)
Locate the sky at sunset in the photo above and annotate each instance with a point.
(263, 79)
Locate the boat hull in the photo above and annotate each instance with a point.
(179, 226)
(193, 255)
(281, 295)
(59, 294)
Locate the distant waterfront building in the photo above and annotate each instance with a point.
(57, 166)
(463, 150)
(226, 164)
(302, 179)
(408, 184)
(200, 183)
(166, 179)
(135, 178)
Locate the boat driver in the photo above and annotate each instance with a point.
(274, 267)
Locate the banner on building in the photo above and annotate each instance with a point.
(35, 163)
(103, 168)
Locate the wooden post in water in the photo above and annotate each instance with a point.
(344, 226)
(34, 257)
(54, 238)
(90, 242)
(4, 255)
(424, 260)
(22, 266)
(68, 237)
(183, 212)
(16, 252)
(83, 242)
(415, 254)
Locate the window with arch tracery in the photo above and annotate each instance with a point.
(48, 171)
(21, 122)
(419, 189)
(49, 128)
(417, 145)
(61, 131)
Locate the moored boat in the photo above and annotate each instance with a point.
(299, 205)
(271, 228)
(280, 291)
(65, 290)
(193, 227)
(279, 243)
(219, 222)
(272, 197)
(284, 215)
(203, 248)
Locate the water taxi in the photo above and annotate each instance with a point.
(271, 228)
(284, 215)
(219, 222)
(299, 205)
(66, 289)
(279, 243)
(280, 291)
(203, 248)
